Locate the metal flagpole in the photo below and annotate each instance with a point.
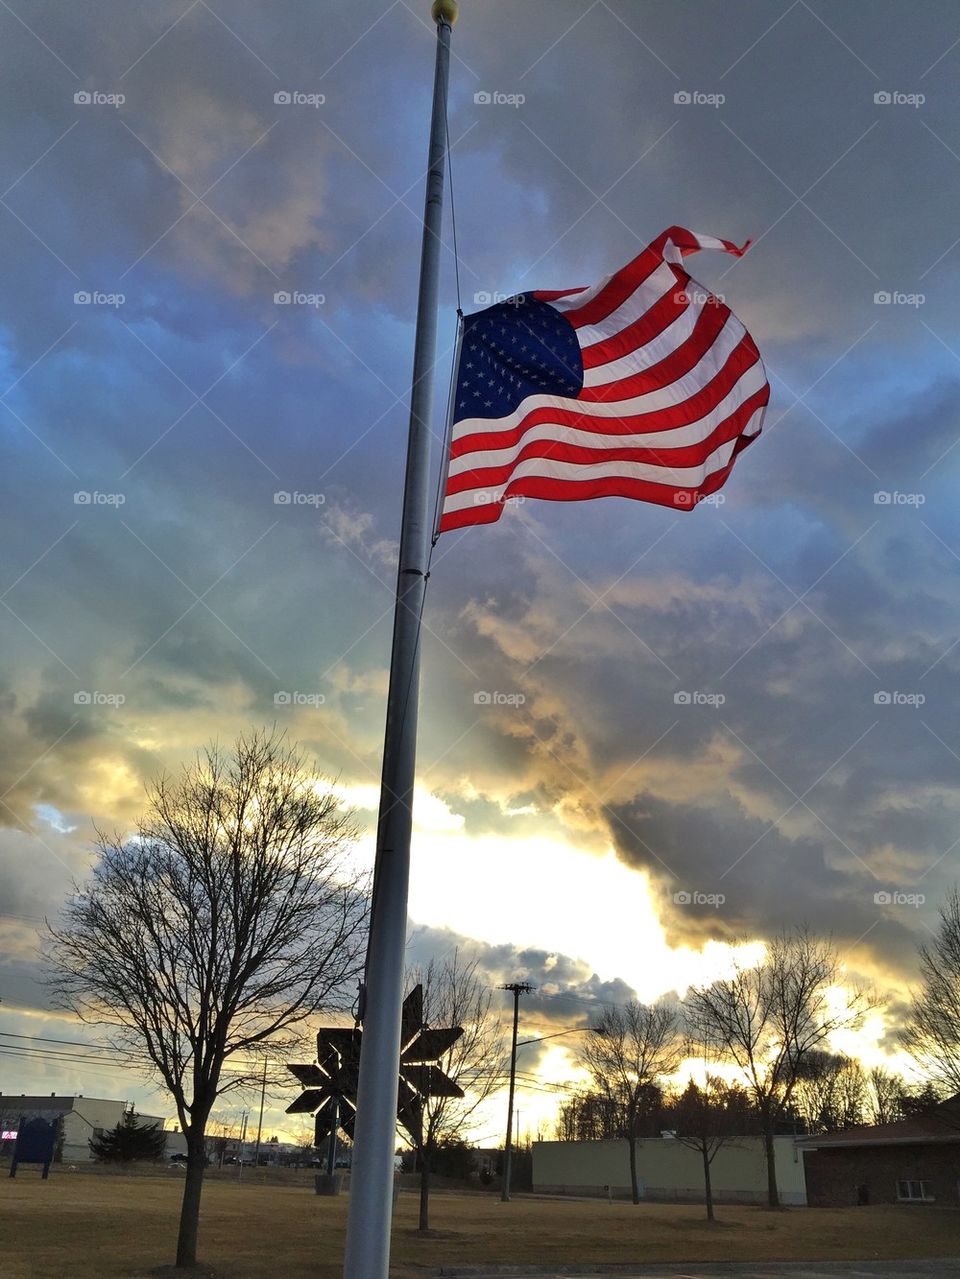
(367, 1254)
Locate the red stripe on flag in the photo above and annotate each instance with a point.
(680, 361)
(616, 290)
(643, 330)
(683, 458)
(690, 410)
(678, 498)
(558, 434)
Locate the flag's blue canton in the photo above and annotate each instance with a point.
(517, 348)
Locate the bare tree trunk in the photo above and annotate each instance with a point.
(190, 1208)
(707, 1185)
(424, 1223)
(634, 1186)
(773, 1194)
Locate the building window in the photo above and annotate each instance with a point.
(914, 1191)
(98, 1132)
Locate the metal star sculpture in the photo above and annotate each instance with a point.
(331, 1081)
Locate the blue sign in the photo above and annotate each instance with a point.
(36, 1141)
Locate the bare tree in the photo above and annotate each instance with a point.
(932, 1034)
(633, 1047)
(305, 1152)
(590, 1116)
(218, 1143)
(885, 1088)
(769, 1016)
(831, 1092)
(454, 994)
(226, 921)
(708, 1116)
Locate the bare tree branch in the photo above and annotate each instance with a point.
(767, 1018)
(932, 1036)
(633, 1047)
(209, 937)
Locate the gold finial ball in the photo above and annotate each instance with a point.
(445, 11)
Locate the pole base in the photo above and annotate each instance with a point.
(328, 1183)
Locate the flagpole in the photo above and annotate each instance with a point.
(367, 1254)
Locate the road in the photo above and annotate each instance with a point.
(946, 1269)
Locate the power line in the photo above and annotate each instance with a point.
(80, 1043)
(53, 1055)
(121, 1054)
(134, 1060)
(101, 1074)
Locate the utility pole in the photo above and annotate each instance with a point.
(518, 988)
(263, 1093)
(243, 1143)
(367, 1253)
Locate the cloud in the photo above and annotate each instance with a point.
(197, 399)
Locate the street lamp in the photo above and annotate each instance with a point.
(518, 989)
(574, 1030)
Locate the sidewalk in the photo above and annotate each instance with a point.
(948, 1268)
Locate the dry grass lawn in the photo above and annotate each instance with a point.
(99, 1227)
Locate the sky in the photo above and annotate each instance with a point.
(709, 725)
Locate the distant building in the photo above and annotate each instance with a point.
(82, 1118)
(911, 1161)
(668, 1171)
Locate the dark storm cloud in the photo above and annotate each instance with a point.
(566, 993)
(199, 598)
(731, 876)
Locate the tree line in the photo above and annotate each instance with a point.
(233, 916)
(758, 1041)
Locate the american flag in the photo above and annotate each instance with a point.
(645, 386)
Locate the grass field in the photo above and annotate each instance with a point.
(97, 1227)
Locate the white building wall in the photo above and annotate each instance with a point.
(667, 1170)
(81, 1116)
(88, 1115)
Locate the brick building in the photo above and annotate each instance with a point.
(911, 1161)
